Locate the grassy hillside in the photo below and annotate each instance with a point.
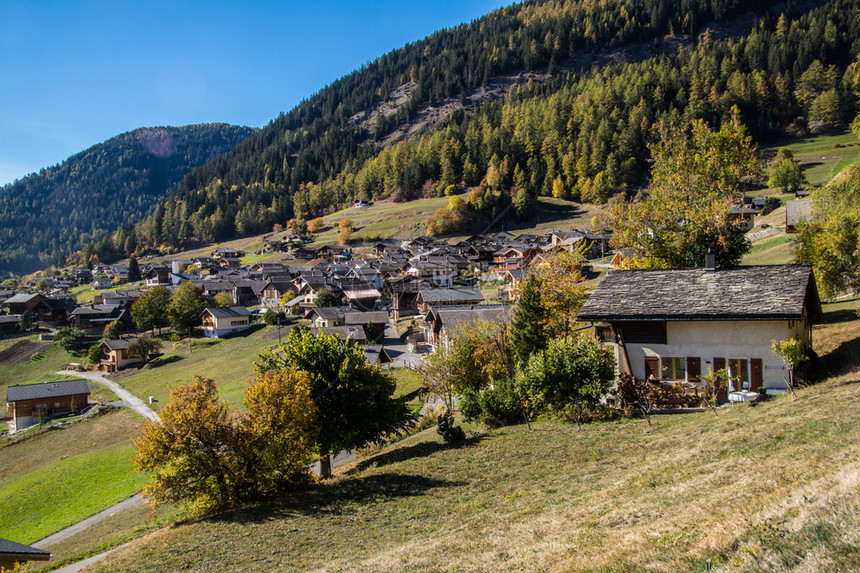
(824, 156)
(229, 361)
(387, 220)
(38, 367)
(690, 493)
(54, 478)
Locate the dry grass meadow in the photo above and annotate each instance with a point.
(773, 486)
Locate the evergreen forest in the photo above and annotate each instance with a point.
(593, 78)
(46, 215)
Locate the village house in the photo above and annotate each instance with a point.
(440, 274)
(9, 324)
(402, 294)
(93, 320)
(353, 335)
(376, 355)
(157, 276)
(117, 355)
(274, 291)
(674, 325)
(743, 217)
(30, 403)
(440, 322)
(22, 302)
(224, 321)
(225, 252)
(54, 311)
(12, 554)
(100, 283)
(438, 297)
(327, 316)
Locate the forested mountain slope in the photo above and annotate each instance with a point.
(572, 135)
(47, 214)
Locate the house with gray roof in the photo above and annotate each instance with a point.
(439, 322)
(437, 297)
(219, 322)
(674, 325)
(13, 553)
(31, 402)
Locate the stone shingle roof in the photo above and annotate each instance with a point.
(776, 292)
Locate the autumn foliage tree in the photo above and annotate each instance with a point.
(191, 452)
(830, 240)
(562, 292)
(202, 456)
(344, 231)
(696, 174)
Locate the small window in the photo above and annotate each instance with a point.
(674, 368)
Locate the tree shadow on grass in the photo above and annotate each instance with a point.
(419, 450)
(840, 360)
(335, 498)
(163, 361)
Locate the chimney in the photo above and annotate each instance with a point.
(710, 262)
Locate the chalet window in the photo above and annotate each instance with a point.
(643, 332)
(674, 368)
(739, 372)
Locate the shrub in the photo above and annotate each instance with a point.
(95, 354)
(502, 405)
(446, 428)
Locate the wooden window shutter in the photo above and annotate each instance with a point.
(755, 374)
(719, 364)
(694, 369)
(652, 367)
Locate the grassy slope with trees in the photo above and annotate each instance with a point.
(47, 215)
(688, 493)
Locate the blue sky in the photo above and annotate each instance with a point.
(79, 72)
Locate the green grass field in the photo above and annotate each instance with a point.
(54, 478)
(770, 486)
(40, 368)
(824, 156)
(229, 361)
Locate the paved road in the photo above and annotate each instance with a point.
(64, 534)
(81, 565)
(399, 351)
(128, 399)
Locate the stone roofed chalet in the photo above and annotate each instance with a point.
(439, 321)
(455, 296)
(673, 325)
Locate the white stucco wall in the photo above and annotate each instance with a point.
(723, 339)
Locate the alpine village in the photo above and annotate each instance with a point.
(574, 286)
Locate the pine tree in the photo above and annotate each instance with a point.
(527, 328)
(133, 270)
